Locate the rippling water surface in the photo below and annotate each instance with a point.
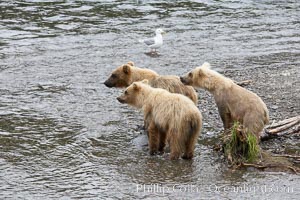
(63, 134)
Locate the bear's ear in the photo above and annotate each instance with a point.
(130, 63)
(135, 86)
(201, 71)
(145, 81)
(126, 69)
(206, 65)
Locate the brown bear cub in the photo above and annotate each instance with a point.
(126, 74)
(173, 118)
(234, 102)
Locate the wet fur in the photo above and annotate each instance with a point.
(174, 118)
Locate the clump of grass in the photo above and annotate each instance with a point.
(240, 146)
(253, 148)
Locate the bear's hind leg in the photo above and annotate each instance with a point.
(252, 124)
(195, 127)
(189, 148)
(175, 145)
(174, 154)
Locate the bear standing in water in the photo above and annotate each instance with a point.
(173, 118)
(234, 102)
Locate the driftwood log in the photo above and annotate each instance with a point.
(244, 83)
(278, 167)
(281, 128)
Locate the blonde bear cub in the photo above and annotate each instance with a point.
(173, 118)
(234, 102)
(126, 74)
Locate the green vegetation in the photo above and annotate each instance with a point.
(240, 146)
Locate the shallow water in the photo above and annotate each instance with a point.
(64, 135)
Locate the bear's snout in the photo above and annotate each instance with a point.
(182, 79)
(107, 83)
(120, 99)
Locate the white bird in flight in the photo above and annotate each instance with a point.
(155, 42)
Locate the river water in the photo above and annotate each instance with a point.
(63, 135)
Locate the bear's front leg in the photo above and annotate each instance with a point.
(226, 117)
(147, 117)
(147, 121)
(153, 138)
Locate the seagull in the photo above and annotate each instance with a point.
(155, 42)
